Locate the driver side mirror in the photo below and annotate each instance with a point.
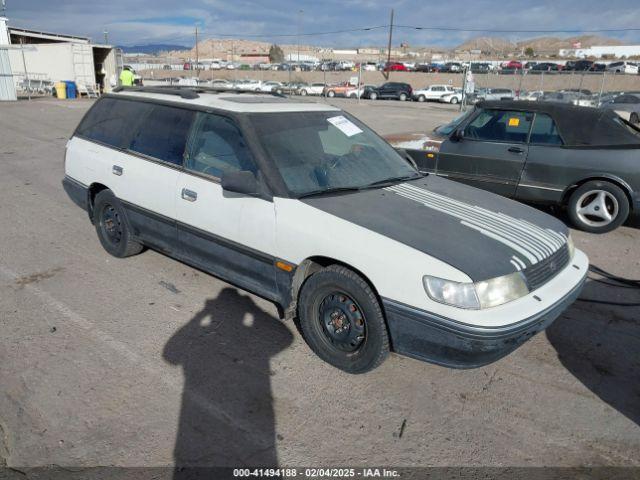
(457, 135)
(240, 182)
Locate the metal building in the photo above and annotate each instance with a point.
(36, 56)
(7, 87)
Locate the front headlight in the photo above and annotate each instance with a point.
(485, 294)
(499, 290)
(457, 294)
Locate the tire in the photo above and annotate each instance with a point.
(112, 226)
(331, 94)
(588, 202)
(454, 101)
(633, 118)
(373, 96)
(360, 346)
(422, 98)
(304, 93)
(402, 97)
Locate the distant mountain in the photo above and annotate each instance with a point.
(153, 48)
(539, 44)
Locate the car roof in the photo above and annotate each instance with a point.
(238, 102)
(578, 126)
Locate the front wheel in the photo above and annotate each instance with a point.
(303, 93)
(342, 321)
(331, 94)
(403, 97)
(422, 98)
(598, 207)
(373, 96)
(634, 119)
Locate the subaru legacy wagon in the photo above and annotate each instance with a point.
(304, 205)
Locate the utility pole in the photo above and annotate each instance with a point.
(106, 37)
(300, 12)
(389, 48)
(197, 57)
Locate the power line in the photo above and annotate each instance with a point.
(493, 30)
(309, 34)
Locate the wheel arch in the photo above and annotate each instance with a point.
(93, 190)
(603, 177)
(313, 264)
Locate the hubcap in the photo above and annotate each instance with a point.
(111, 224)
(597, 208)
(342, 321)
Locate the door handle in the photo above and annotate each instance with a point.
(189, 195)
(515, 150)
(117, 170)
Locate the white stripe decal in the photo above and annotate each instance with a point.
(533, 235)
(514, 236)
(529, 240)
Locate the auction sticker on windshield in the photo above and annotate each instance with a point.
(344, 125)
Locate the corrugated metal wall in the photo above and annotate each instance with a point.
(7, 87)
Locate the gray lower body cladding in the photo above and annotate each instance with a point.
(77, 192)
(428, 337)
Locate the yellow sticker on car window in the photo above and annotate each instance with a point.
(514, 122)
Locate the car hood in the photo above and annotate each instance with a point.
(479, 233)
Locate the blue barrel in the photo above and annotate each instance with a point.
(72, 91)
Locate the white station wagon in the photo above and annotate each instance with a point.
(304, 205)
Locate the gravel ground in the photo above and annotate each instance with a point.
(144, 361)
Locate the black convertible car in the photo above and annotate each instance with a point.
(585, 159)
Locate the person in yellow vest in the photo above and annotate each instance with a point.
(126, 77)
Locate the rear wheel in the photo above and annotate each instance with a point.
(112, 226)
(598, 207)
(634, 119)
(342, 321)
(303, 92)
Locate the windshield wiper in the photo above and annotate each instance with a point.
(314, 193)
(392, 180)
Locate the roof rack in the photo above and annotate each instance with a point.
(190, 92)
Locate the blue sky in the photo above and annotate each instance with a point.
(170, 21)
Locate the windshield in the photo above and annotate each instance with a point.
(453, 124)
(323, 151)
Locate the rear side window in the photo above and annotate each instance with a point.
(544, 131)
(218, 147)
(163, 133)
(500, 126)
(110, 121)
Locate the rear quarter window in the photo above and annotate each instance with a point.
(110, 121)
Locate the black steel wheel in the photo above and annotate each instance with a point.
(342, 321)
(112, 226)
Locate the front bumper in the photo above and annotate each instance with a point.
(432, 338)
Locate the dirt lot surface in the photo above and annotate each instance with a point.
(145, 362)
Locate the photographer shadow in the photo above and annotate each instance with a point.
(598, 344)
(227, 414)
